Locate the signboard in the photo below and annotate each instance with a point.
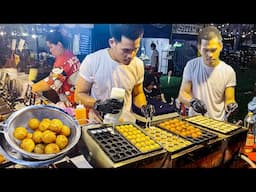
(190, 29)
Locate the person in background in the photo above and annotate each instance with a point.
(208, 85)
(65, 70)
(154, 97)
(116, 66)
(150, 88)
(154, 57)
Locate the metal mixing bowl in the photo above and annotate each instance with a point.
(21, 118)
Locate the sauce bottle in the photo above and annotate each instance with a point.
(249, 123)
(80, 114)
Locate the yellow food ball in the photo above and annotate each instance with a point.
(48, 136)
(39, 148)
(37, 136)
(56, 125)
(65, 130)
(47, 120)
(62, 141)
(33, 123)
(28, 145)
(2, 159)
(20, 133)
(44, 125)
(51, 148)
(29, 135)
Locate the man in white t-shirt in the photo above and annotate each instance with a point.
(208, 83)
(116, 66)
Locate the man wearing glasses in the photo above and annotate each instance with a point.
(116, 66)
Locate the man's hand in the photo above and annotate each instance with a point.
(252, 105)
(112, 106)
(198, 106)
(148, 110)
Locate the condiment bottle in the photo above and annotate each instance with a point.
(249, 123)
(80, 114)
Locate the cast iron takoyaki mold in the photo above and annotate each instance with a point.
(215, 125)
(113, 144)
(190, 132)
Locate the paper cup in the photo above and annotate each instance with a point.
(117, 93)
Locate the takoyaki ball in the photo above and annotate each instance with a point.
(55, 125)
(65, 130)
(37, 136)
(39, 148)
(33, 123)
(62, 141)
(48, 136)
(20, 133)
(44, 125)
(51, 148)
(28, 145)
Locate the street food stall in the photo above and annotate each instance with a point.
(163, 141)
(202, 149)
(169, 141)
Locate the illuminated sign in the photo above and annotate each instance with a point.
(191, 29)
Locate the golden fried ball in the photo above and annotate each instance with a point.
(56, 125)
(33, 123)
(51, 148)
(29, 135)
(28, 145)
(48, 136)
(62, 141)
(65, 130)
(44, 125)
(20, 133)
(37, 136)
(47, 120)
(2, 159)
(39, 148)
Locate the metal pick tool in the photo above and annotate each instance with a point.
(202, 113)
(113, 129)
(231, 111)
(149, 118)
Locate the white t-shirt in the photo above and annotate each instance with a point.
(104, 73)
(209, 84)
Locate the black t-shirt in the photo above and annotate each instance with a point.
(160, 107)
(150, 95)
